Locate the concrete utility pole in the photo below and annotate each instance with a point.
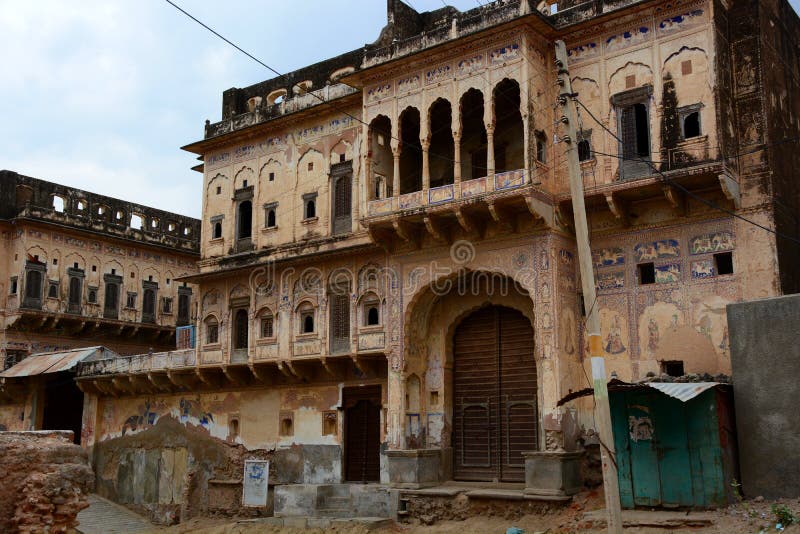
(602, 410)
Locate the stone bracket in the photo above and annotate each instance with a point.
(731, 189)
(618, 208)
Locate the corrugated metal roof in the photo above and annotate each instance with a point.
(53, 362)
(683, 391)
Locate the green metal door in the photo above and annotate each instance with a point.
(652, 446)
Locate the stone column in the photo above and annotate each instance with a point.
(426, 170)
(396, 173)
(489, 149)
(457, 157)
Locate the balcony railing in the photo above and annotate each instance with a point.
(139, 363)
(449, 193)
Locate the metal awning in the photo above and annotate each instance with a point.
(683, 391)
(54, 362)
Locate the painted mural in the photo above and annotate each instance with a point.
(668, 248)
(714, 242)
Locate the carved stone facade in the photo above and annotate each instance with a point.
(76, 267)
(446, 159)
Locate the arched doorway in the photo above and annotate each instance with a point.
(495, 415)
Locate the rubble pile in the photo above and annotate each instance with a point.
(46, 481)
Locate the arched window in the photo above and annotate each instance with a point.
(508, 132)
(111, 305)
(212, 330)
(410, 152)
(271, 218)
(149, 305)
(339, 298)
(308, 323)
(311, 209)
(373, 316)
(217, 230)
(240, 331)
(267, 325)
(245, 220)
(74, 291)
(584, 150)
(441, 153)
(691, 125)
(305, 316)
(33, 285)
(370, 310)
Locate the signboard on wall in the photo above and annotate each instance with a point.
(256, 476)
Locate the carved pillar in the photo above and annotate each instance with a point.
(489, 149)
(457, 157)
(426, 169)
(526, 145)
(396, 173)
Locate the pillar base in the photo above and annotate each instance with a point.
(415, 468)
(552, 474)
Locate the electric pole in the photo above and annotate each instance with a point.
(602, 409)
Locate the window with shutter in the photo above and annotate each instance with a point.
(340, 322)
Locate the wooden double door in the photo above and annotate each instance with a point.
(495, 415)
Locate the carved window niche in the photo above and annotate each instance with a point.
(211, 326)
(75, 298)
(130, 301)
(91, 295)
(52, 289)
(113, 283)
(244, 218)
(13, 285)
(309, 208)
(266, 327)
(306, 318)
(216, 227)
(184, 305)
(370, 311)
(633, 126)
(330, 424)
(689, 117)
(166, 305)
(149, 295)
(286, 425)
(34, 284)
(271, 216)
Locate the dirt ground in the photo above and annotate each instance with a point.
(754, 516)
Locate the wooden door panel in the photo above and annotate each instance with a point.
(495, 395)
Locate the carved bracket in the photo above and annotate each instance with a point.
(731, 189)
(618, 208)
(436, 229)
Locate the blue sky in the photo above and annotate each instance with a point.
(100, 94)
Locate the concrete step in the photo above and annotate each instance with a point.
(334, 512)
(335, 502)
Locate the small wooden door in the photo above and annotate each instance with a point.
(362, 428)
(495, 415)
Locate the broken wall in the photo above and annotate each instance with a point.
(175, 456)
(46, 481)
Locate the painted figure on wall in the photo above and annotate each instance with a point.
(614, 339)
(568, 327)
(653, 335)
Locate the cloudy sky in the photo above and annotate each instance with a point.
(100, 94)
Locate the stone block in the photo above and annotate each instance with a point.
(552, 474)
(413, 469)
(295, 500)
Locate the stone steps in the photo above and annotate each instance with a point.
(106, 517)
